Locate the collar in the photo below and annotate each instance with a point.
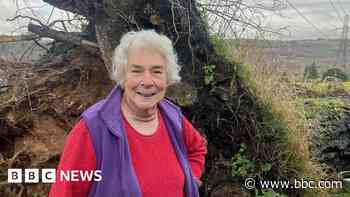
(111, 111)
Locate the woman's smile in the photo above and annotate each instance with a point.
(145, 94)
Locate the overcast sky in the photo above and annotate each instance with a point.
(319, 12)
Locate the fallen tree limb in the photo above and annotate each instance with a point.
(71, 37)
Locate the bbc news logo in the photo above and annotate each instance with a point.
(51, 175)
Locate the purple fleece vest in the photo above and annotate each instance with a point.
(104, 122)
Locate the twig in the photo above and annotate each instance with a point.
(48, 19)
(26, 51)
(40, 45)
(27, 17)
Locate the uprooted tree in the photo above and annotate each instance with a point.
(41, 102)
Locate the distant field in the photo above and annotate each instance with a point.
(295, 55)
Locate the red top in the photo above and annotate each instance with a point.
(159, 173)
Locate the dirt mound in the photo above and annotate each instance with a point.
(38, 107)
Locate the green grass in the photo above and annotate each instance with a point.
(313, 108)
(325, 88)
(346, 86)
(344, 192)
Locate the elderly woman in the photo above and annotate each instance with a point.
(140, 141)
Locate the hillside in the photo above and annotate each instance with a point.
(296, 54)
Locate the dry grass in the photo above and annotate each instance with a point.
(274, 89)
(281, 97)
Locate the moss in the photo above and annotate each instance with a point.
(222, 46)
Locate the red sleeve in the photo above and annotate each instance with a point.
(78, 154)
(196, 148)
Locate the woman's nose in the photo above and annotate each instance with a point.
(147, 79)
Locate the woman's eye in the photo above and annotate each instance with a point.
(158, 72)
(135, 71)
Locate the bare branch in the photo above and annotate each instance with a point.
(233, 17)
(27, 17)
(49, 18)
(63, 22)
(74, 6)
(28, 51)
(41, 46)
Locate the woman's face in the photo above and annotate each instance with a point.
(145, 81)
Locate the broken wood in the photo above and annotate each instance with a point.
(71, 37)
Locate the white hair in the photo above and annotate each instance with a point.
(144, 39)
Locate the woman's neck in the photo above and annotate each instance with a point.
(132, 114)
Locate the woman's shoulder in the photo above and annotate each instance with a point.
(93, 109)
(79, 129)
(170, 108)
